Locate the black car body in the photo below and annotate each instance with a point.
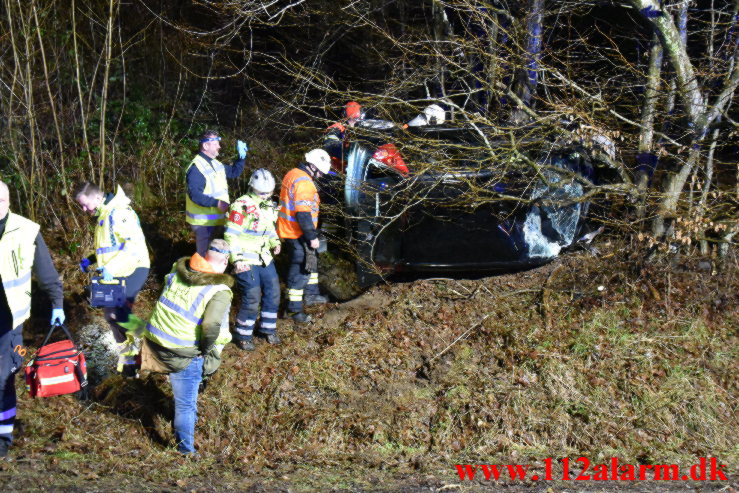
(468, 213)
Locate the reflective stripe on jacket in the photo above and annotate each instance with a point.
(216, 187)
(250, 230)
(17, 250)
(178, 315)
(120, 245)
(298, 194)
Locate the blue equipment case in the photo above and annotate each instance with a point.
(107, 294)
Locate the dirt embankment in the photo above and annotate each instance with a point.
(583, 357)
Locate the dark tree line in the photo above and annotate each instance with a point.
(115, 91)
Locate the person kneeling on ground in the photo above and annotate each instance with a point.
(188, 330)
(250, 231)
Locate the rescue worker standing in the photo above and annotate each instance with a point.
(22, 251)
(250, 230)
(187, 331)
(120, 252)
(297, 224)
(207, 189)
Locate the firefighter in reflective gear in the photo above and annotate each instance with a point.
(120, 252)
(207, 189)
(188, 330)
(22, 253)
(250, 230)
(297, 224)
(334, 140)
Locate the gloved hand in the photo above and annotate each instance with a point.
(107, 276)
(85, 264)
(57, 316)
(242, 149)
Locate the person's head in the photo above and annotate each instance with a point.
(210, 143)
(318, 161)
(262, 183)
(89, 197)
(353, 110)
(217, 255)
(4, 200)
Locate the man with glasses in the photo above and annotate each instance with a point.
(250, 231)
(207, 189)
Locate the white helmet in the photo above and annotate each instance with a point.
(435, 114)
(262, 181)
(320, 159)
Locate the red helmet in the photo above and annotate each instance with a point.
(389, 155)
(353, 110)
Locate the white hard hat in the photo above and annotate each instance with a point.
(262, 181)
(320, 159)
(435, 114)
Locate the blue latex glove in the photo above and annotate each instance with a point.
(107, 276)
(57, 316)
(242, 149)
(85, 264)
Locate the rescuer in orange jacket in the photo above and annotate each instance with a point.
(297, 223)
(334, 141)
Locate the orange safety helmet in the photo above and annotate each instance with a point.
(389, 155)
(353, 110)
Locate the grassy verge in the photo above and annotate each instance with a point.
(583, 357)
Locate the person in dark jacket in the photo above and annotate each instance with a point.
(22, 252)
(207, 198)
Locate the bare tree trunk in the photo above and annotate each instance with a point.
(104, 97)
(442, 31)
(52, 105)
(647, 159)
(83, 118)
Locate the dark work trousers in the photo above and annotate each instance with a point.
(257, 284)
(204, 235)
(297, 276)
(116, 314)
(11, 360)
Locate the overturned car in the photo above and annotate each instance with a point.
(456, 201)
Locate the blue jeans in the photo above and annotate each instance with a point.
(297, 276)
(257, 284)
(185, 385)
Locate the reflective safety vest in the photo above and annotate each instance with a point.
(120, 245)
(250, 230)
(178, 315)
(216, 187)
(298, 194)
(17, 250)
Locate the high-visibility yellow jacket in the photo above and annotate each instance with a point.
(298, 194)
(250, 230)
(17, 250)
(178, 315)
(120, 245)
(216, 186)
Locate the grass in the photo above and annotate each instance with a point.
(383, 387)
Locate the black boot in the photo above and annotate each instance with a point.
(245, 344)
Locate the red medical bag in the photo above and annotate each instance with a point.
(57, 369)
